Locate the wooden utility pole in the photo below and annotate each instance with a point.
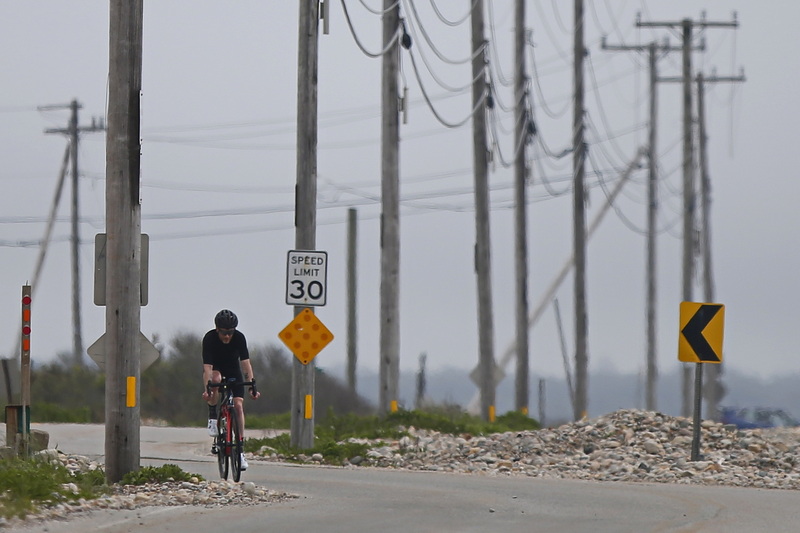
(352, 300)
(390, 214)
(713, 390)
(521, 137)
(73, 132)
(688, 199)
(486, 364)
(123, 228)
(579, 221)
(302, 423)
(652, 210)
(550, 293)
(686, 26)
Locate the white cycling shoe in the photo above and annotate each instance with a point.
(243, 461)
(212, 427)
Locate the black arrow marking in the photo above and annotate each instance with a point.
(693, 331)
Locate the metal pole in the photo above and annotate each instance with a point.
(698, 406)
(123, 229)
(25, 369)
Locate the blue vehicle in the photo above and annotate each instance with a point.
(757, 417)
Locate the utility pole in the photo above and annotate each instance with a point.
(73, 132)
(486, 364)
(579, 220)
(714, 390)
(302, 423)
(123, 229)
(521, 138)
(352, 301)
(390, 214)
(568, 265)
(652, 209)
(686, 26)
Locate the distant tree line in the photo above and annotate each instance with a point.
(171, 388)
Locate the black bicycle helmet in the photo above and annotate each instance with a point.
(226, 319)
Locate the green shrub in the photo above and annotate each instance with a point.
(28, 484)
(158, 474)
(270, 421)
(50, 412)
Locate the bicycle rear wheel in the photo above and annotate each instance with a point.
(223, 450)
(236, 449)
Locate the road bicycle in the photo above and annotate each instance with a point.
(227, 443)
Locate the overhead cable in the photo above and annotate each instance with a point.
(397, 34)
(436, 114)
(413, 11)
(456, 22)
(378, 11)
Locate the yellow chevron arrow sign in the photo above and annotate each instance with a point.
(701, 332)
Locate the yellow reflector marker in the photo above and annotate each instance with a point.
(491, 413)
(130, 398)
(524, 411)
(393, 406)
(309, 405)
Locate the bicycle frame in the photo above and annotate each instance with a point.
(228, 443)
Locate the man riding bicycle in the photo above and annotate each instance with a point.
(225, 355)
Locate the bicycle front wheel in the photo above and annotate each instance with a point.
(223, 450)
(236, 449)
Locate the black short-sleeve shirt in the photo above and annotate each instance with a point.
(225, 357)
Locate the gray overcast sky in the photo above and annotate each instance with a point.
(218, 127)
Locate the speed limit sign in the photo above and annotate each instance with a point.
(306, 277)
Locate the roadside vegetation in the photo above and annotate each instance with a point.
(28, 484)
(333, 433)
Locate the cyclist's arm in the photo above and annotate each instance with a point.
(247, 371)
(207, 370)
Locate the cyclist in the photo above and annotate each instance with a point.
(225, 355)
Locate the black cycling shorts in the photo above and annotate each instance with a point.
(238, 390)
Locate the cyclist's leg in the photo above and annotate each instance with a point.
(216, 377)
(239, 403)
(213, 400)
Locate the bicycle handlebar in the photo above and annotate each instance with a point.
(231, 382)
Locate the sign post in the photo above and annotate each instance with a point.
(25, 370)
(700, 341)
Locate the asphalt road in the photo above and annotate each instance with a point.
(364, 499)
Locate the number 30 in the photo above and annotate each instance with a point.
(314, 290)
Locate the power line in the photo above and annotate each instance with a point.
(463, 18)
(363, 49)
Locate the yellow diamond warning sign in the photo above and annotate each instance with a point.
(306, 336)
